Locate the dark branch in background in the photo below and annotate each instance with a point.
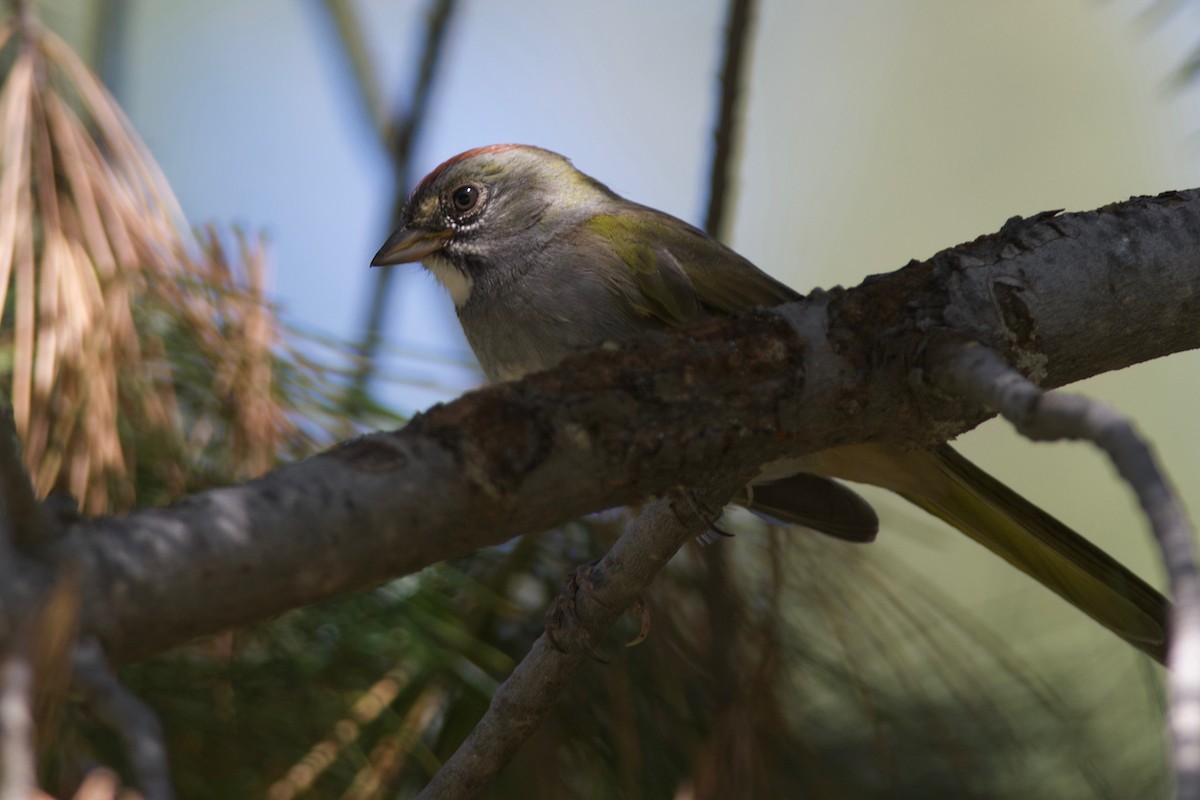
(358, 54)
(108, 42)
(522, 703)
(725, 136)
(25, 517)
(123, 712)
(979, 373)
(403, 128)
(22, 12)
(721, 599)
(24, 526)
(398, 132)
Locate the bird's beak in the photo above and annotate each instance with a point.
(409, 244)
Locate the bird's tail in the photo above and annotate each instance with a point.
(1042, 547)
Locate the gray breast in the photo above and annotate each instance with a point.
(531, 325)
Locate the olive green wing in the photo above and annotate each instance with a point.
(679, 272)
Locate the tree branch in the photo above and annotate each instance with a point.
(725, 134)
(362, 66)
(523, 702)
(980, 374)
(398, 133)
(1060, 297)
(721, 599)
(128, 716)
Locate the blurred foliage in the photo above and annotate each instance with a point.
(140, 358)
(882, 691)
(780, 664)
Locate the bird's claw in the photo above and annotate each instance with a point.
(706, 514)
(643, 614)
(565, 629)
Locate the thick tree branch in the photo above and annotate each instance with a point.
(1060, 297)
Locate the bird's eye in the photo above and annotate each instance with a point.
(465, 198)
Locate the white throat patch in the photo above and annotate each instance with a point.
(455, 280)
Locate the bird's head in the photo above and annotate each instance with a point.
(488, 210)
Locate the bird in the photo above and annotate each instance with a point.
(543, 262)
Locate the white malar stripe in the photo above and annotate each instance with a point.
(457, 282)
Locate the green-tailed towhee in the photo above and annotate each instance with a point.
(543, 261)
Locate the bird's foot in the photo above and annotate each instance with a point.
(706, 514)
(566, 630)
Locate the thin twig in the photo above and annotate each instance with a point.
(398, 136)
(523, 702)
(737, 34)
(980, 374)
(109, 31)
(132, 719)
(18, 769)
(358, 54)
(404, 127)
(722, 600)
(21, 9)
